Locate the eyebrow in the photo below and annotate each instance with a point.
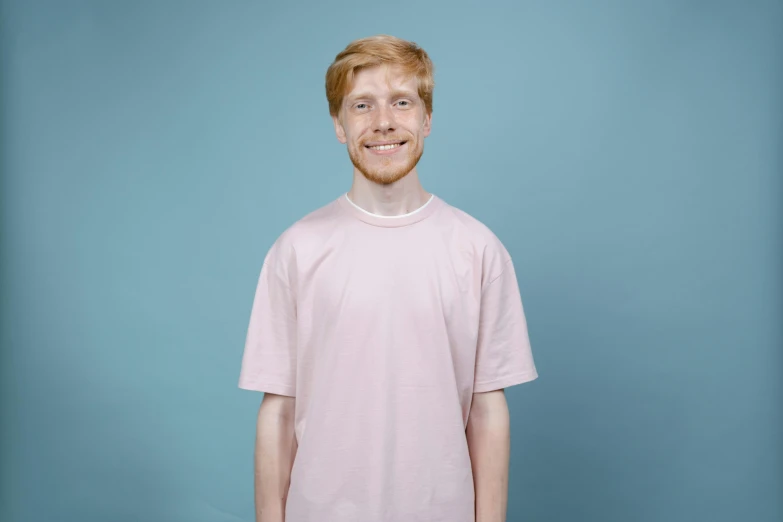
(394, 94)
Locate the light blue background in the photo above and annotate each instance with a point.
(629, 155)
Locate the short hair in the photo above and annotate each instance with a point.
(374, 51)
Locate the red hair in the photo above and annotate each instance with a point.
(374, 51)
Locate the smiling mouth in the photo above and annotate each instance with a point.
(386, 146)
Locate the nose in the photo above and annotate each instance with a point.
(384, 119)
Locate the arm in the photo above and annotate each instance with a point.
(489, 444)
(274, 456)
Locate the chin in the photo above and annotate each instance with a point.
(383, 178)
(383, 175)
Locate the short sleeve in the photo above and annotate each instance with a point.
(503, 354)
(269, 359)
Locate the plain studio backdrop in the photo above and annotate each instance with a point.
(629, 155)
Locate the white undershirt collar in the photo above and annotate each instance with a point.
(390, 217)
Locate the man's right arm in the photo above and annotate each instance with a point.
(274, 456)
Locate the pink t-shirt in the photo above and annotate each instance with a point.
(383, 328)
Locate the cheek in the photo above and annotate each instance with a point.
(417, 126)
(355, 134)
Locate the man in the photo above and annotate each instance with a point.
(384, 328)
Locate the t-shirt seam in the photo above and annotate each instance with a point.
(282, 280)
(506, 377)
(502, 271)
(261, 382)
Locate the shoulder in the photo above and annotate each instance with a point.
(307, 232)
(477, 236)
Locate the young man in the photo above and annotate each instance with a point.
(384, 328)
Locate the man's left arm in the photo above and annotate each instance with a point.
(489, 443)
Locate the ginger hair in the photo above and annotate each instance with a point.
(372, 52)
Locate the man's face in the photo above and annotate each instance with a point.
(383, 121)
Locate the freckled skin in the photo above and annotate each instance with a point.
(383, 106)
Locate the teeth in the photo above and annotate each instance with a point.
(385, 147)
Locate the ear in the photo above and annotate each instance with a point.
(426, 127)
(339, 130)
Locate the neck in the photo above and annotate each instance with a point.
(400, 197)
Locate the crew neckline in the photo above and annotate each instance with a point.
(421, 213)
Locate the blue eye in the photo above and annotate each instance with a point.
(361, 106)
(404, 103)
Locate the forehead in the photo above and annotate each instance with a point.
(382, 79)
